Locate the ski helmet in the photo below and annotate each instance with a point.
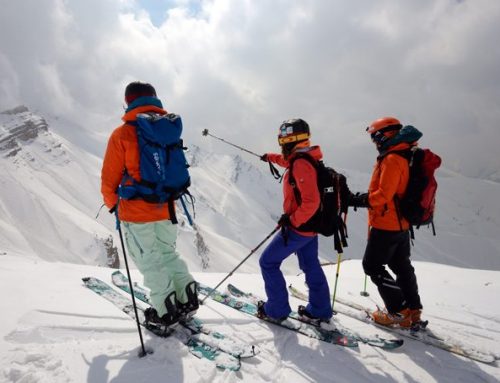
(138, 89)
(293, 131)
(383, 128)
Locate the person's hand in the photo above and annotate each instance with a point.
(284, 221)
(264, 158)
(359, 200)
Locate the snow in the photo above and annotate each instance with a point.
(56, 330)
(53, 329)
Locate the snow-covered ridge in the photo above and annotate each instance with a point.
(49, 198)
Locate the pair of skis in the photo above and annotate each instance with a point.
(227, 353)
(247, 303)
(224, 351)
(423, 335)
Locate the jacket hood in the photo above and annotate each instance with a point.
(407, 134)
(131, 115)
(314, 151)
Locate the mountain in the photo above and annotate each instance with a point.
(50, 197)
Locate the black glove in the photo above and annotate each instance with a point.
(284, 221)
(358, 200)
(113, 209)
(264, 158)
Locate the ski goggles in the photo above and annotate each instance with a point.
(379, 136)
(292, 138)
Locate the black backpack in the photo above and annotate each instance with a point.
(334, 195)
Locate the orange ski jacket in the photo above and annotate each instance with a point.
(389, 180)
(307, 183)
(122, 153)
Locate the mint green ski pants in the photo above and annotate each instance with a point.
(151, 245)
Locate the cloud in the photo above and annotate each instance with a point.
(239, 68)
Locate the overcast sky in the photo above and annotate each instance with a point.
(239, 68)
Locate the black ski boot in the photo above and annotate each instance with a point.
(308, 317)
(261, 313)
(168, 320)
(187, 310)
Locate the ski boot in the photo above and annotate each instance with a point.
(261, 313)
(402, 318)
(306, 316)
(188, 310)
(417, 323)
(168, 321)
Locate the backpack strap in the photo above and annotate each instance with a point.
(339, 235)
(291, 178)
(408, 155)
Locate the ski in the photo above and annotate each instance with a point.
(387, 344)
(195, 345)
(426, 336)
(195, 325)
(333, 337)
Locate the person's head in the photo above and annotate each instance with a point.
(293, 134)
(138, 89)
(383, 129)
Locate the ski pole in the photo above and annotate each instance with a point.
(243, 261)
(143, 351)
(206, 133)
(190, 220)
(364, 293)
(276, 174)
(339, 259)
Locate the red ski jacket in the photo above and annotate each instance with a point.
(307, 183)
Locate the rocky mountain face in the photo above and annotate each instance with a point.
(19, 126)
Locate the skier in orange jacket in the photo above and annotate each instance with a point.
(389, 237)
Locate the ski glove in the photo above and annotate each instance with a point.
(358, 200)
(285, 224)
(264, 158)
(284, 221)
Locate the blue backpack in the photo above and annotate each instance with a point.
(162, 164)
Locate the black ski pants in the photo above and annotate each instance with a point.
(392, 248)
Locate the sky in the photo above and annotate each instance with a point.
(239, 68)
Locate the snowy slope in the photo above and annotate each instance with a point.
(50, 196)
(56, 331)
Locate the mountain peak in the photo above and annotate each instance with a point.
(19, 126)
(17, 110)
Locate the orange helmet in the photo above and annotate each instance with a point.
(385, 123)
(383, 128)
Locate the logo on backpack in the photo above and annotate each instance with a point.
(419, 201)
(334, 195)
(162, 163)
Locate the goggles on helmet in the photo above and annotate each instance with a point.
(380, 136)
(293, 138)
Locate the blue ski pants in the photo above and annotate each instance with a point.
(277, 305)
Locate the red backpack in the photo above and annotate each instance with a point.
(419, 201)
